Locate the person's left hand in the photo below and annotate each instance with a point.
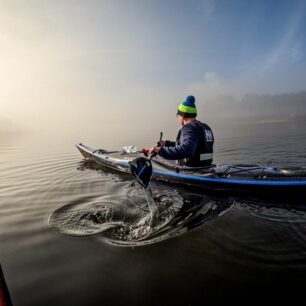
(154, 149)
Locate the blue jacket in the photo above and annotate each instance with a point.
(189, 143)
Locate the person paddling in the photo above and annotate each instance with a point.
(195, 140)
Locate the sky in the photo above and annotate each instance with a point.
(69, 63)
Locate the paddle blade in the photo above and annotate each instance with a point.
(141, 168)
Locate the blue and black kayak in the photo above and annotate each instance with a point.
(242, 178)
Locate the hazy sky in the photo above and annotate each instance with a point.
(118, 60)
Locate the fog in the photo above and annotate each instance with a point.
(287, 106)
(121, 68)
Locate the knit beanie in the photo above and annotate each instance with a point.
(187, 109)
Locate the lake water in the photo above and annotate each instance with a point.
(55, 251)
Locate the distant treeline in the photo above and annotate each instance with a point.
(290, 105)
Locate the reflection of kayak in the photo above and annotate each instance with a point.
(242, 178)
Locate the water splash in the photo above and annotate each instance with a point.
(196, 210)
(139, 217)
(163, 208)
(129, 216)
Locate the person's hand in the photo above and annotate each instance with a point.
(154, 150)
(161, 143)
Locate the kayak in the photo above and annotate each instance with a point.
(242, 178)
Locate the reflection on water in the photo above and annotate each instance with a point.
(273, 211)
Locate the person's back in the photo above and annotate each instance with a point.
(194, 144)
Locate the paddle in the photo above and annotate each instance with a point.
(141, 168)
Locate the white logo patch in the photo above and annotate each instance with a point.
(209, 136)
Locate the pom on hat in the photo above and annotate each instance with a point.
(190, 100)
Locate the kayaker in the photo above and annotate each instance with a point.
(194, 143)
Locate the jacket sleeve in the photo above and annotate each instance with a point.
(169, 143)
(188, 140)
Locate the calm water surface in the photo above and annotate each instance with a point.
(63, 224)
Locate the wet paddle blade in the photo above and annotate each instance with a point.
(141, 168)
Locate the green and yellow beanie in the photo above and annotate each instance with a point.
(187, 109)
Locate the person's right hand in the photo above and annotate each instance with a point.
(161, 143)
(154, 150)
